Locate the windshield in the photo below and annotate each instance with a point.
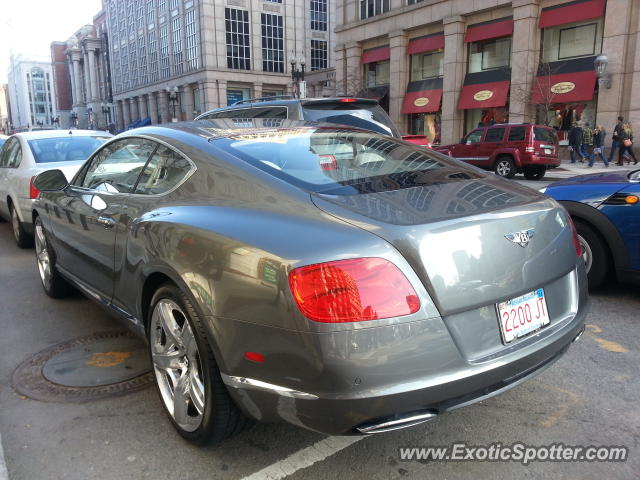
(368, 116)
(2, 140)
(65, 149)
(342, 161)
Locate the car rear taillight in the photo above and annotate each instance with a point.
(529, 149)
(33, 191)
(348, 100)
(353, 290)
(328, 162)
(576, 241)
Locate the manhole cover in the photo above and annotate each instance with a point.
(85, 368)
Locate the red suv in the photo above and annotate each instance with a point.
(508, 149)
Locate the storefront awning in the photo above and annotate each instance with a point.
(570, 12)
(485, 89)
(427, 43)
(564, 87)
(375, 55)
(501, 27)
(423, 96)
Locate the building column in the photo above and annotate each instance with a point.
(454, 68)
(257, 89)
(353, 82)
(78, 81)
(126, 113)
(133, 109)
(164, 106)
(119, 115)
(93, 73)
(209, 92)
(188, 102)
(622, 98)
(398, 76)
(525, 51)
(87, 77)
(73, 81)
(142, 106)
(153, 108)
(201, 92)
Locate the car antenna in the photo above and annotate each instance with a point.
(70, 132)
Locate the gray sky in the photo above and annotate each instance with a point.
(29, 26)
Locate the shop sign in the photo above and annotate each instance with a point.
(421, 102)
(483, 95)
(563, 87)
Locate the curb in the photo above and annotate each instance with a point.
(4, 475)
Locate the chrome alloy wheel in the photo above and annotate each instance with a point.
(15, 223)
(587, 254)
(503, 168)
(42, 254)
(177, 366)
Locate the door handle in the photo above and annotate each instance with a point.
(106, 222)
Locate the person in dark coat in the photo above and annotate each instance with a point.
(626, 151)
(616, 138)
(575, 141)
(599, 135)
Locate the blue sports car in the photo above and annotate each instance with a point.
(606, 213)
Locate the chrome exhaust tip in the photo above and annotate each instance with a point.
(577, 337)
(396, 422)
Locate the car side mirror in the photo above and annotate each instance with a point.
(51, 181)
(462, 140)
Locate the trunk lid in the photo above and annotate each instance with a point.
(453, 234)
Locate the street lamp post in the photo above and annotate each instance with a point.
(604, 78)
(173, 98)
(297, 75)
(74, 119)
(106, 112)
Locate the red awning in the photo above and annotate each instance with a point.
(484, 95)
(571, 12)
(425, 44)
(485, 31)
(422, 101)
(375, 55)
(564, 87)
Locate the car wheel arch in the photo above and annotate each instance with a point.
(604, 228)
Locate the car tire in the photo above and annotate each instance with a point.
(594, 252)
(205, 412)
(52, 281)
(535, 172)
(505, 167)
(22, 238)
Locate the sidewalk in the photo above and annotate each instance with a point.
(568, 169)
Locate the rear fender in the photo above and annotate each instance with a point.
(514, 153)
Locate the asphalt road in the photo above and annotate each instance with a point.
(589, 397)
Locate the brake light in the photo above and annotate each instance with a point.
(33, 191)
(328, 162)
(348, 100)
(353, 290)
(576, 241)
(529, 149)
(254, 357)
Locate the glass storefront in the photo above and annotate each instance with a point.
(477, 117)
(428, 124)
(562, 116)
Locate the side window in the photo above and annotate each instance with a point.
(164, 171)
(117, 166)
(494, 135)
(517, 134)
(16, 156)
(237, 113)
(473, 137)
(270, 112)
(7, 151)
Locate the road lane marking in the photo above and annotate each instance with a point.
(304, 458)
(564, 407)
(606, 344)
(4, 475)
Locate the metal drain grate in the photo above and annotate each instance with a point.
(91, 367)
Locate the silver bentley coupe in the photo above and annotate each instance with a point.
(334, 278)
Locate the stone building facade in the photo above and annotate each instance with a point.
(178, 58)
(446, 66)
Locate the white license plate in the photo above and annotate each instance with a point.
(547, 151)
(522, 315)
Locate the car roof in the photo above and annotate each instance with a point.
(257, 102)
(60, 133)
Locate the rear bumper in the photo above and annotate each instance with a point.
(540, 160)
(368, 394)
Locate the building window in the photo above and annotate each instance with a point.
(319, 15)
(142, 55)
(150, 12)
(274, 1)
(153, 57)
(235, 94)
(272, 43)
(237, 37)
(133, 64)
(173, 5)
(176, 29)
(125, 67)
(192, 40)
(412, 2)
(318, 54)
(371, 8)
(140, 15)
(377, 73)
(427, 65)
(165, 70)
(489, 54)
(572, 41)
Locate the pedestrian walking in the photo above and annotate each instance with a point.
(575, 142)
(616, 138)
(598, 145)
(586, 146)
(626, 147)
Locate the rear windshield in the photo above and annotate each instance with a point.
(368, 116)
(545, 135)
(344, 162)
(65, 149)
